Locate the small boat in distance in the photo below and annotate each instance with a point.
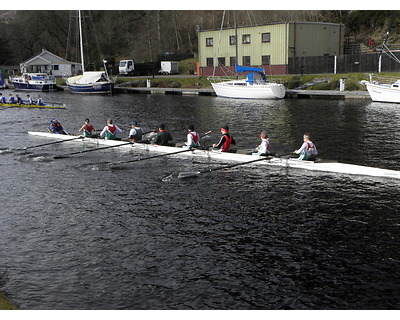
(255, 86)
(35, 82)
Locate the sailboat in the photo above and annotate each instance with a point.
(255, 86)
(89, 81)
(388, 91)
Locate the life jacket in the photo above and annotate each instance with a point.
(195, 138)
(227, 143)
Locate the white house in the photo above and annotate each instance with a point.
(47, 62)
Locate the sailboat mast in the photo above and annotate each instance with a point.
(384, 43)
(81, 40)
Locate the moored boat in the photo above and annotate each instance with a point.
(255, 86)
(35, 82)
(383, 92)
(89, 81)
(322, 166)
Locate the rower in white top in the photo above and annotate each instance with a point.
(307, 149)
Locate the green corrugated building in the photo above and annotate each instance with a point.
(269, 46)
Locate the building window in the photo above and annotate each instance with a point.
(246, 60)
(265, 37)
(232, 40)
(209, 42)
(265, 59)
(55, 67)
(210, 62)
(221, 61)
(246, 39)
(232, 61)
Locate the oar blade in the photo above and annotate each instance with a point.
(183, 175)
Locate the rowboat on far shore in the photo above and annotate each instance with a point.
(46, 106)
(320, 166)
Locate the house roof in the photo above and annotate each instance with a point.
(46, 58)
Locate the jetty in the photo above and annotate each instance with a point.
(299, 94)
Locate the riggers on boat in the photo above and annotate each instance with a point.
(322, 166)
(14, 105)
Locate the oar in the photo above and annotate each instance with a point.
(90, 150)
(196, 173)
(161, 155)
(152, 157)
(49, 143)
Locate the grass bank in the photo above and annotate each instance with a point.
(352, 81)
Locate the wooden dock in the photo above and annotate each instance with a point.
(299, 94)
(176, 91)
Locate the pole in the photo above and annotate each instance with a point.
(81, 40)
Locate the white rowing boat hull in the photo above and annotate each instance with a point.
(334, 167)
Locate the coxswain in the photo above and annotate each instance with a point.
(225, 142)
(136, 133)
(29, 99)
(110, 131)
(263, 148)
(56, 127)
(163, 137)
(11, 99)
(39, 101)
(19, 100)
(307, 149)
(2, 99)
(192, 138)
(87, 129)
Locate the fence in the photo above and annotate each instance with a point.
(351, 63)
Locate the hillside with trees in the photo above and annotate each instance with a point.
(144, 34)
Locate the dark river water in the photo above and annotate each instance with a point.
(75, 235)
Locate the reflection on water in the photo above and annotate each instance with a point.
(79, 235)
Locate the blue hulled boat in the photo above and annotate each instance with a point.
(35, 82)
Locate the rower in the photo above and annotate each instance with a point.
(225, 142)
(87, 129)
(19, 100)
(263, 148)
(307, 149)
(56, 127)
(2, 99)
(110, 131)
(163, 137)
(39, 101)
(136, 133)
(29, 100)
(192, 138)
(11, 99)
